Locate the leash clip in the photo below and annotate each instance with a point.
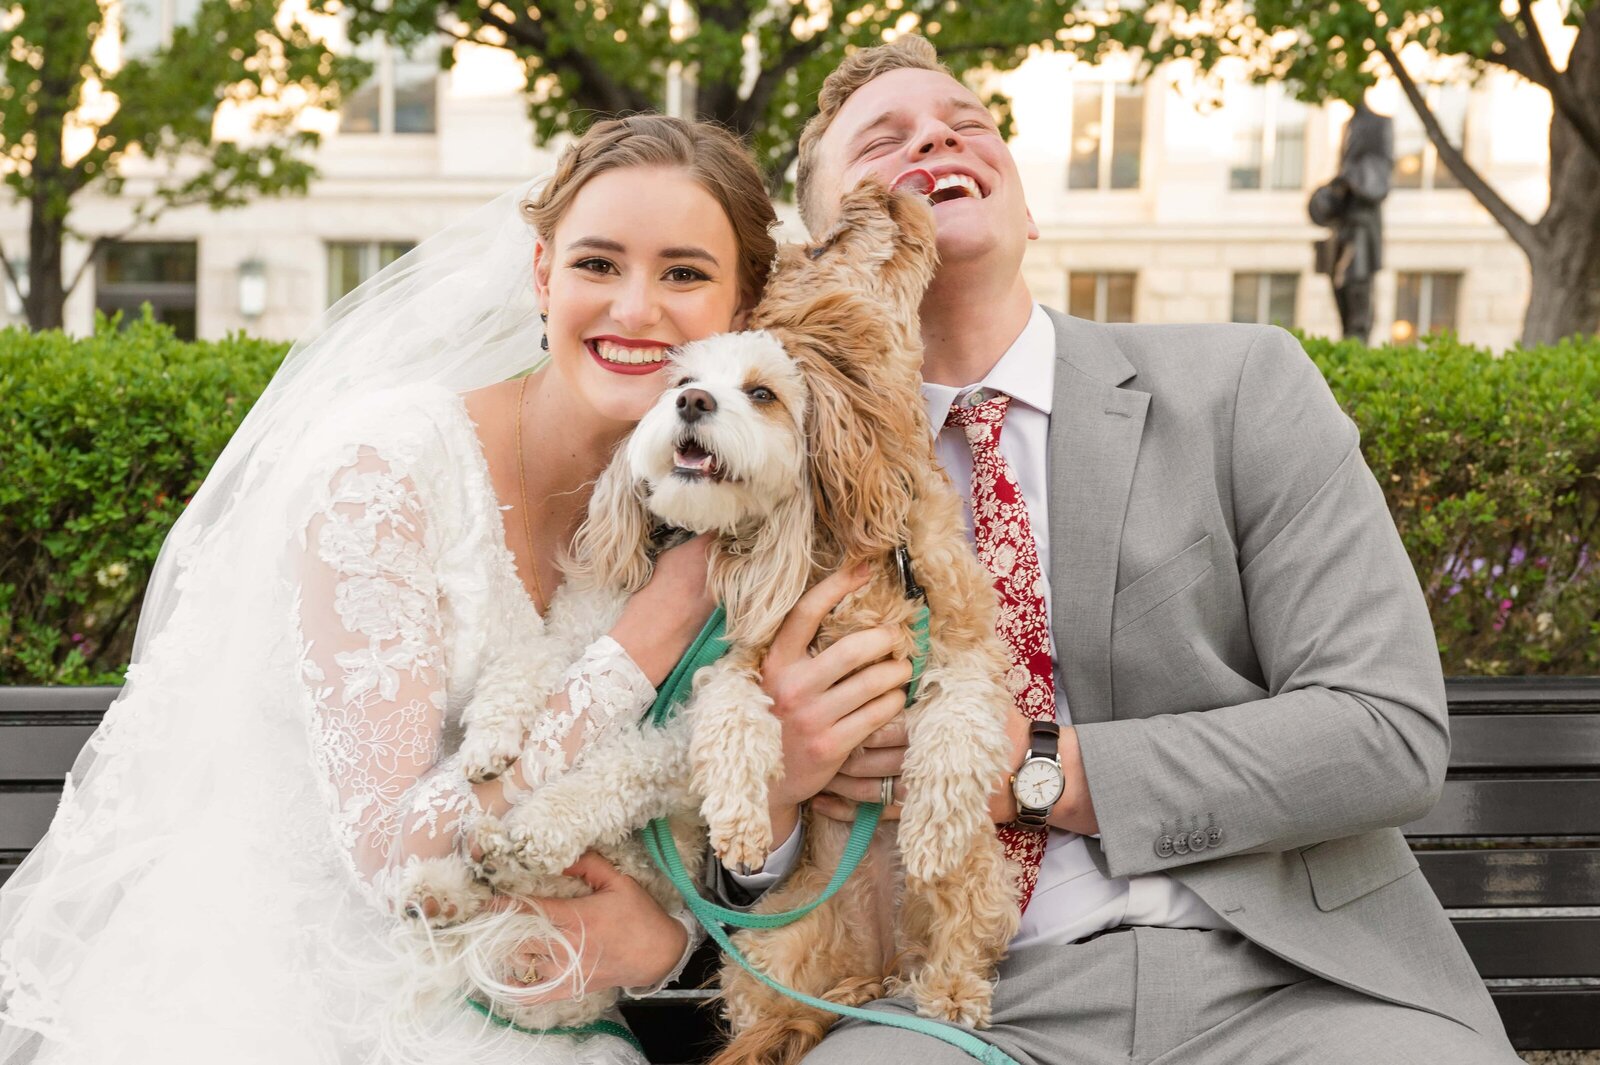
(908, 579)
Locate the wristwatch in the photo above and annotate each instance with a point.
(1039, 781)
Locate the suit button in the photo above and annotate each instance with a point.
(1213, 836)
(1180, 844)
(1164, 847)
(1197, 840)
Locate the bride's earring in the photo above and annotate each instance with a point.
(544, 338)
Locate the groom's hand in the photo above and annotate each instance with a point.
(831, 704)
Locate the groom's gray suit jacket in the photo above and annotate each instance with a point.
(1244, 648)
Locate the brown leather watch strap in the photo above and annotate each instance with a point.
(1044, 739)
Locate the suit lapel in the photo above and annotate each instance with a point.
(1095, 429)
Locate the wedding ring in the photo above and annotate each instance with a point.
(886, 791)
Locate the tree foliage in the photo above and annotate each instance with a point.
(74, 113)
(1336, 49)
(756, 64)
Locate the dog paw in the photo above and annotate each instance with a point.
(743, 847)
(547, 849)
(960, 998)
(496, 850)
(441, 912)
(489, 748)
(442, 891)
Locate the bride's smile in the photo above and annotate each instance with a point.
(628, 356)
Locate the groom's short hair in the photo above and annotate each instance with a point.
(907, 52)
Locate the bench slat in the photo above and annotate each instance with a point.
(23, 699)
(1532, 946)
(40, 752)
(1555, 877)
(1525, 741)
(24, 816)
(1539, 1018)
(1472, 694)
(1530, 806)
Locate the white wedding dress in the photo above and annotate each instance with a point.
(256, 924)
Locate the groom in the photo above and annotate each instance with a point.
(1246, 692)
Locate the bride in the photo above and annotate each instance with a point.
(220, 881)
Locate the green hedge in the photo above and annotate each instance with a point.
(103, 439)
(1491, 466)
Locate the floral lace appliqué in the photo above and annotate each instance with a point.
(372, 660)
(601, 687)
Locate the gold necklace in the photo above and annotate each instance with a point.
(522, 481)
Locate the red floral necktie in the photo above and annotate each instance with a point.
(1004, 538)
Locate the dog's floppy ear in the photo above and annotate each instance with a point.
(859, 496)
(611, 549)
(760, 583)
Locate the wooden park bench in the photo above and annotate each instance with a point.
(1512, 849)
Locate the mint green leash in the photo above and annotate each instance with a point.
(657, 838)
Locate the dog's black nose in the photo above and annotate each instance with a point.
(695, 403)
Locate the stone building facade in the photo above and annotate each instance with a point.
(1176, 199)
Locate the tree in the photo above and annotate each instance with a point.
(71, 118)
(1329, 50)
(755, 65)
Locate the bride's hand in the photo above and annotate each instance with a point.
(627, 939)
(662, 619)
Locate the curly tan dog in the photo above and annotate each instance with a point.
(933, 914)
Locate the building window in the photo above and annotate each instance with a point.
(1100, 297)
(402, 94)
(130, 275)
(1416, 160)
(1424, 303)
(1101, 160)
(352, 262)
(1269, 139)
(1265, 298)
(147, 25)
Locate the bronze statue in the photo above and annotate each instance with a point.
(1352, 206)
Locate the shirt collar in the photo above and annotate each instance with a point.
(1026, 372)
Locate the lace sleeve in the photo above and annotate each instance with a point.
(373, 664)
(601, 688)
(372, 661)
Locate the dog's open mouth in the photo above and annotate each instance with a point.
(695, 463)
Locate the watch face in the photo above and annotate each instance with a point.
(1039, 783)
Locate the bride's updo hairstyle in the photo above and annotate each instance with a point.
(712, 155)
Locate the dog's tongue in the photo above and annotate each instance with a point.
(915, 180)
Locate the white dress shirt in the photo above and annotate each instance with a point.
(1073, 898)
